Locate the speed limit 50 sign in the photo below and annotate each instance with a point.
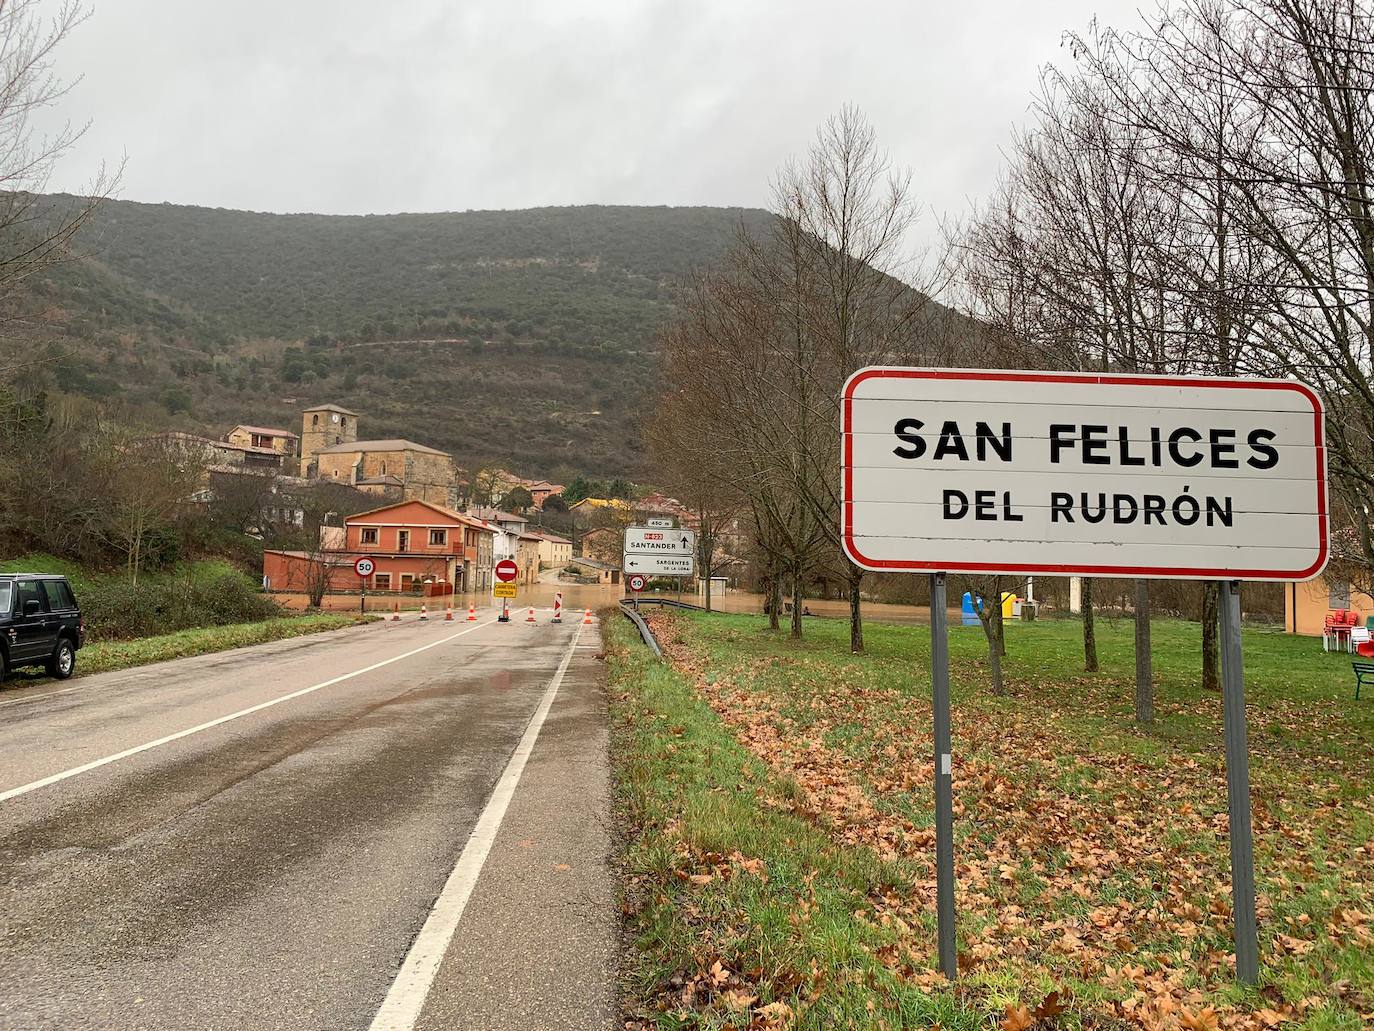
(364, 567)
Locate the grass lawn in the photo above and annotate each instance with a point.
(104, 656)
(780, 862)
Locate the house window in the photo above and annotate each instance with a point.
(438, 537)
(383, 468)
(407, 582)
(402, 540)
(314, 420)
(369, 536)
(343, 423)
(1339, 595)
(383, 581)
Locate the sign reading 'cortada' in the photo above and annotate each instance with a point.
(955, 470)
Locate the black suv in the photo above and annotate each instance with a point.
(40, 623)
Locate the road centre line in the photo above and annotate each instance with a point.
(405, 1000)
(55, 778)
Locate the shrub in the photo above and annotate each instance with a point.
(115, 609)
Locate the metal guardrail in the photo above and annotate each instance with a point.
(673, 602)
(643, 628)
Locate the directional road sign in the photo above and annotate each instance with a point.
(364, 567)
(506, 571)
(650, 540)
(659, 565)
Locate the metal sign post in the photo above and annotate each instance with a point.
(364, 567)
(1238, 786)
(944, 776)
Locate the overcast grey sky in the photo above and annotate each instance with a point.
(357, 106)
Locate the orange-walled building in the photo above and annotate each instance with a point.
(411, 543)
(1306, 605)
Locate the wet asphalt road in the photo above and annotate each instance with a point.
(271, 871)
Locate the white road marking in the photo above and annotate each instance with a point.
(405, 1000)
(36, 697)
(95, 764)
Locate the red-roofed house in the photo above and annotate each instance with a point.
(411, 543)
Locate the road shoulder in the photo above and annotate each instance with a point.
(538, 942)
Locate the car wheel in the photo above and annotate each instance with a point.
(63, 661)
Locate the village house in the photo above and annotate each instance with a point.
(527, 558)
(604, 572)
(510, 529)
(283, 442)
(586, 506)
(542, 489)
(412, 543)
(538, 489)
(602, 543)
(220, 455)
(554, 551)
(508, 521)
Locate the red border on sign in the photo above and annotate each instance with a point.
(1104, 379)
(506, 565)
(643, 582)
(359, 561)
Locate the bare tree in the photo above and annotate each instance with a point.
(146, 481)
(35, 231)
(836, 272)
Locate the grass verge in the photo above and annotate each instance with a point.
(104, 656)
(742, 911)
(1092, 854)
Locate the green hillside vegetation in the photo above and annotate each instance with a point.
(520, 337)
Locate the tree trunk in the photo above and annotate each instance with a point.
(856, 619)
(708, 591)
(796, 604)
(998, 624)
(1211, 671)
(1144, 685)
(774, 598)
(994, 653)
(1089, 628)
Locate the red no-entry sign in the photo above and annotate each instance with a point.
(506, 570)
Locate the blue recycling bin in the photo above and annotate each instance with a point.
(970, 614)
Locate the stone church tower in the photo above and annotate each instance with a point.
(324, 426)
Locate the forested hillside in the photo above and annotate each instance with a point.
(519, 337)
(522, 337)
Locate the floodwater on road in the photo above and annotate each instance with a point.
(596, 596)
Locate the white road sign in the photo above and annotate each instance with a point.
(659, 524)
(948, 470)
(649, 540)
(659, 565)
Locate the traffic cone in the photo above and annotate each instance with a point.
(472, 612)
(396, 612)
(448, 613)
(530, 617)
(557, 608)
(424, 612)
(587, 617)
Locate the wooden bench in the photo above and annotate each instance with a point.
(1364, 674)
